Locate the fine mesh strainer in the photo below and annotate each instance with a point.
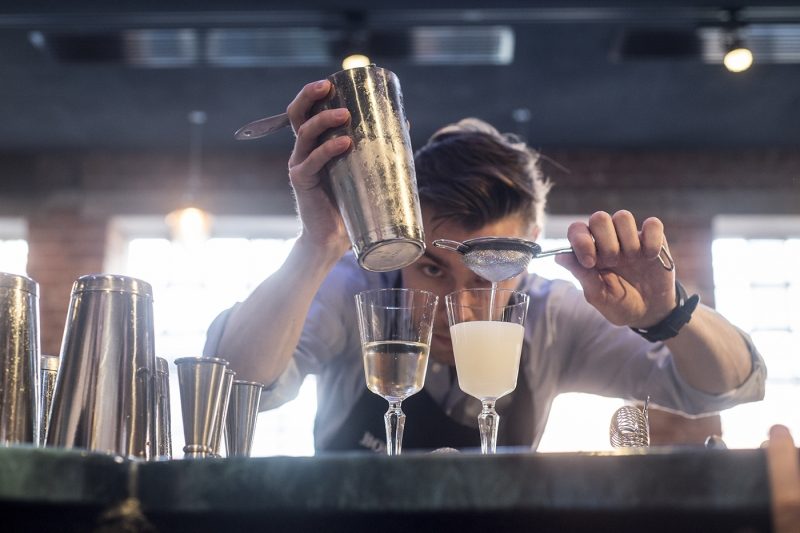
(499, 258)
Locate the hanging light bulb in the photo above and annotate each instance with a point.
(190, 224)
(738, 58)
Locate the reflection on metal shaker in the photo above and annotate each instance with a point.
(19, 359)
(104, 392)
(49, 364)
(374, 182)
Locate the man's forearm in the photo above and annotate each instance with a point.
(262, 333)
(710, 353)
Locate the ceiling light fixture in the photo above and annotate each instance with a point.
(738, 58)
(189, 224)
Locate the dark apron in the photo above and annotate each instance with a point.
(427, 425)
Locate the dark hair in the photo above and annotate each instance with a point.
(472, 174)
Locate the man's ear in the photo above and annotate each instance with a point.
(534, 233)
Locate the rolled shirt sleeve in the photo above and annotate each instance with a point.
(330, 329)
(614, 361)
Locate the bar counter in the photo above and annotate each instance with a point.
(661, 489)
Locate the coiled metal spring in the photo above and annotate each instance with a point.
(630, 427)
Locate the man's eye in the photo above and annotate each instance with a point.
(432, 271)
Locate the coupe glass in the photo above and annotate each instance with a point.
(486, 328)
(396, 326)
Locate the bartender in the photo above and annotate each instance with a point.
(632, 332)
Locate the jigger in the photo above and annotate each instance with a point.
(219, 422)
(201, 381)
(242, 415)
(19, 359)
(49, 365)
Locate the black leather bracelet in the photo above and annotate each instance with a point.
(680, 316)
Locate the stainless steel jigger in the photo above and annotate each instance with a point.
(500, 258)
(201, 381)
(219, 422)
(19, 359)
(163, 414)
(49, 373)
(242, 416)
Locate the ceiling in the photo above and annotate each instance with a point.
(66, 85)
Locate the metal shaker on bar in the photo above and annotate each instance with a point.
(19, 359)
(374, 182)
(104, 392)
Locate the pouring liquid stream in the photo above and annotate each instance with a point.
(491, 301)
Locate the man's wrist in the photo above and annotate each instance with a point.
(673, 322)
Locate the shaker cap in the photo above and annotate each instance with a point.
(112, 283)
(18, 282)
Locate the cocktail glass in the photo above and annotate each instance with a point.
(395, 326)
(486, 328)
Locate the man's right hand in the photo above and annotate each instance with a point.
(322, 226)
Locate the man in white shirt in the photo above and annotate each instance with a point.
(631, 333)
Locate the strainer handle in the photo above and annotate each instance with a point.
(456, 246)
(663, 256)
(557, 251)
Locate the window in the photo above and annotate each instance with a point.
(13, 246)
(192, 284)
(757, 287)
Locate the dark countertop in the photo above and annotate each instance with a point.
(671, 489)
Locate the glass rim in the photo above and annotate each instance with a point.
(396, 289)
(361, 296)
(452, 302)
(524, 294)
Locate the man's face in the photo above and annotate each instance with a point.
(442, 271)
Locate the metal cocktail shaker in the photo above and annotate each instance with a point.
(104, 392)
(19, 359)
(374, 183)
(47, 386)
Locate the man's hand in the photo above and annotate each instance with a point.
(323, 226)
(619, 269)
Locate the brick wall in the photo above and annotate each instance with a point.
(63, 244)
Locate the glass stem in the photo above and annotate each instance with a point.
(488, 421)
(395, 421)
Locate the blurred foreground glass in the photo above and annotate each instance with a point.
(396, 327)
(486, 328)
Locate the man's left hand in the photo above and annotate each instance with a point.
(619, 269)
